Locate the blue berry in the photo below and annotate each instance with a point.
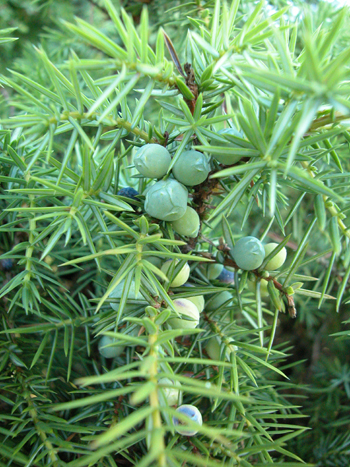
(6, 264)
(193, 414)
(128, 192)
(248, 253)
(226, 277)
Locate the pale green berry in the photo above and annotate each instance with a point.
(155, 260)
(248, 253)
(188, 224)
(263, 287)
(113, 350)
(278, 260)
(186, 309)
(218, 300)
(172, 394)
(118, 291)
(180, 278)
(227, 159)
(152, 160)
(213, 348)
(193, 415)
(197, 300)
(166, 200)
(212, 271)
(191, 168)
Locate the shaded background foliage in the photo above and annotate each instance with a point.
(318, 364)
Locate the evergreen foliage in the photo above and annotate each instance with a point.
(82, 260)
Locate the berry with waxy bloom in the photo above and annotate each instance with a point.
(248, 253)
(110, 351)
(193, 415)
(166, 200)
(152, 160)
(191, 168)
(218, 300)
(226, 159)
(128, 192)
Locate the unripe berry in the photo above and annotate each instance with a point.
(193, 414)
(263, 287)
(166, 200)
(226, 159)
(186, 309)
(172, 394)
(181, 277)
(128, 192)
(118, 291)
(278, 260)
(110, 352)
(218, 300)
(152, 160)
(213, 348)
(191, 168)
(248, 253)
(197, 300)
(226, 277)
(188, 224)
(212, 271)
(155, 260)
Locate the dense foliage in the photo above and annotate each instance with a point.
(174, 193)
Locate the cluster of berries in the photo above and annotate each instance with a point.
(167, 199)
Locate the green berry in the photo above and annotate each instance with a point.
(181, 277)
(186, 309)
(118, 291)
(218, 300)
(263, 287)
(226, 159)
(166, 200)
(277, 261)
(155, 260)
(213, 348)
(112, 351)
(152, 160)
(212, 271)
(193, 415)
(197, 300)
(171, 394)
(188, 224)
(191, 168)
(248, 253)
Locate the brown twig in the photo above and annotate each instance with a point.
(231, 263)
(191, 84)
